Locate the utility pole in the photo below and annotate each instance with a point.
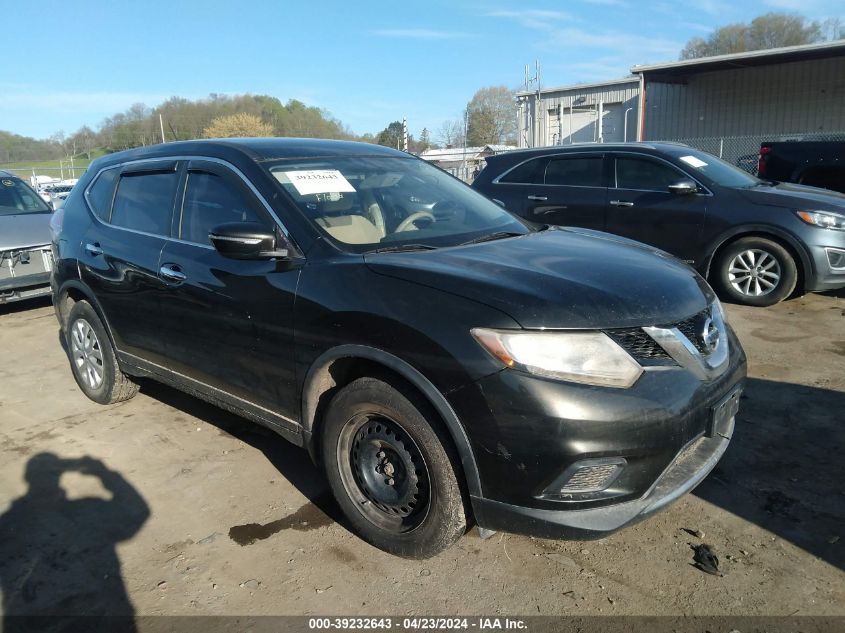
(161, 125)
(466, 127)
(404, 134)
(536, 128)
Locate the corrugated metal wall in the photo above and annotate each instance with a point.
(555, 130)
(807, 96)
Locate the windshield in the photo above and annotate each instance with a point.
(368, 203)
(716, 169)
(16, 197)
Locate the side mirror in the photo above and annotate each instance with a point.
(683, 187)
(246, 240)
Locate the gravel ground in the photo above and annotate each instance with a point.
(166, 505)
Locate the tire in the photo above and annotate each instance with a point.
(390, 470)
(745, 268)
(92, 358)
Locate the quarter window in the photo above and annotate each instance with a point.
(101, 193)
(209, 202)
(645, 174)
(144, 202)
(575, 171)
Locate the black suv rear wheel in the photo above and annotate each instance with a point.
(756, 271)
(92, 358)
(390, 471)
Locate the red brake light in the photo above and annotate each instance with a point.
(761, 159)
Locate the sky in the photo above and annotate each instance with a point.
(366, 62)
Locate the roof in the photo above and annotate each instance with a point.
(582, 86)
(553, 149)
(458, 153)
(743, 60)
(258, 149)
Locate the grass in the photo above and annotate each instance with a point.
(52, 167)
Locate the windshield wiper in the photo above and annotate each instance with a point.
(499, 235)
(403, 247)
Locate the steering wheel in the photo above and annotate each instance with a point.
(407, 223)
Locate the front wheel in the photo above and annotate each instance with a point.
(756, 271)
(389, 469)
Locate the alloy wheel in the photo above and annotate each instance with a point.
(754, 272)
(87, 353)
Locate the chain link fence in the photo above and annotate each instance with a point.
(742, 151)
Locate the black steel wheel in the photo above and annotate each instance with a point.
(391, 469)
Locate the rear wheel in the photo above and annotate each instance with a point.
(390, 471)
(92, 358)
(756, 271)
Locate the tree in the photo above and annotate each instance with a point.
(491, 116)
(425, 139)
(451, 133)
(240, 124)
(391, 136)
(771, 30)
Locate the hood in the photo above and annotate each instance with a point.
(24, 230)
(560, 279)
(795, 197)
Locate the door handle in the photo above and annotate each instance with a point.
(94, 249)
(171, 272)
(621, 203)
(539, 198)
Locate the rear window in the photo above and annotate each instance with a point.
(575, 171)
(144, 202)
(16, 198)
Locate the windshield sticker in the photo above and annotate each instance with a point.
(9, 183)
(692, 161)
(319, 181)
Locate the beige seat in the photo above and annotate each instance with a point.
(347, 227)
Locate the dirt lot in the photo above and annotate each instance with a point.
(181, 508)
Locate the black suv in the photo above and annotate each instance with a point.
(756, 241)
(442, 364)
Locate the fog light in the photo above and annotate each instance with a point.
(836, 259)
(587, 475)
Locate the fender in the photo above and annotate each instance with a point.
(90, 298)
(762, 229)
(318, 372)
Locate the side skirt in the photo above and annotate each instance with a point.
(287, 428)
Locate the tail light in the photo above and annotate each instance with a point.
(57, 221)
(765, 150)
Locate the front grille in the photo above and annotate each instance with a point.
(640, 346)
(590, 478)
(691, 329)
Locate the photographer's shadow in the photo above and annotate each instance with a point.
(57, 555)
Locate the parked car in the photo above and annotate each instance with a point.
(442, 366)
(756, 241)
(813, 163)
(25, 256)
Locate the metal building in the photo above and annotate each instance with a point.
(726, 105)
(582, 113)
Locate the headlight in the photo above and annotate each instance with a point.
(824, 219)
(586, 357)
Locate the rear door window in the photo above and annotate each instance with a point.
(575, 171)
(210, 200)
(144, 201)
(645, 174)
(528, 173)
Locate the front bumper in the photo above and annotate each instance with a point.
(687, 470)
(526, 431)
(827, 258)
